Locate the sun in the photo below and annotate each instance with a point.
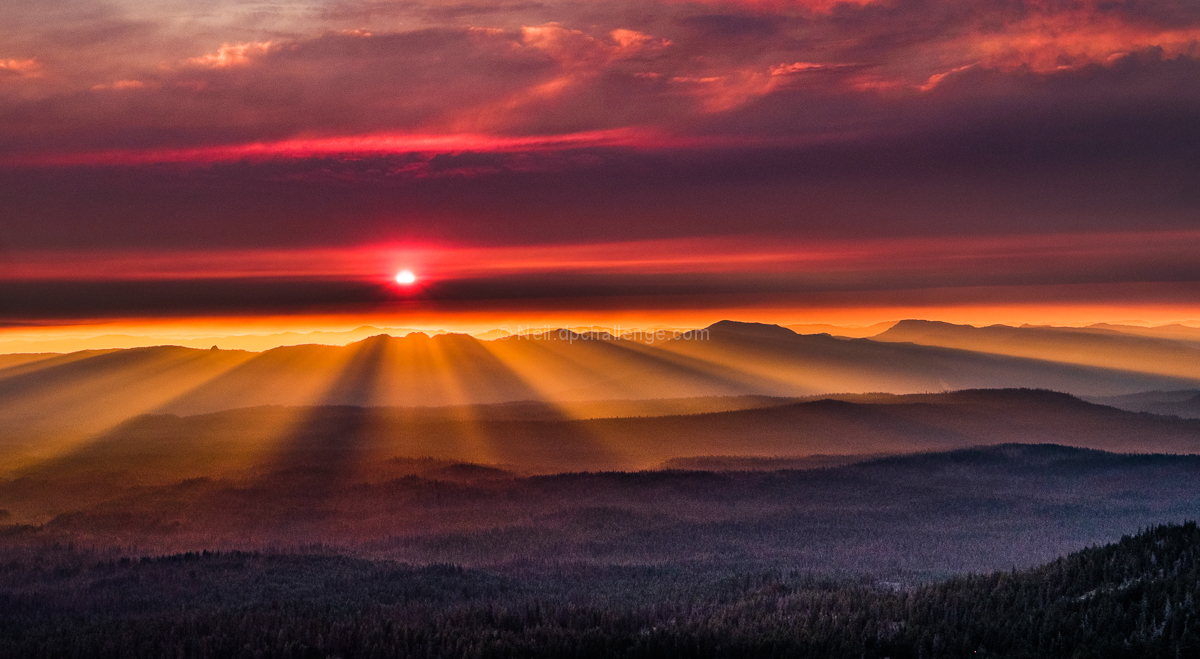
(406, 278)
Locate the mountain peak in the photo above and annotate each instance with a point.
(735, 328)
(372, 340)
(917, 323)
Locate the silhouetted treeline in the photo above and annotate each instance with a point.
(1134, 598)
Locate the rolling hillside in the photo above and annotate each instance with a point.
(913, 517)
(542, 439)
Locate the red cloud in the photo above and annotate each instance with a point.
(21, 68)
(232, 54)
(358, 145)
(772, 69)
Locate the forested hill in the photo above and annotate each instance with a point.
(1134, 598)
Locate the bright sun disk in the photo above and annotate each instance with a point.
(405, 277)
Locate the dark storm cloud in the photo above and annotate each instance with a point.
(75, 300)
(725, 26)
(1099, 148)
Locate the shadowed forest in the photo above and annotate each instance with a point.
(1136, 597)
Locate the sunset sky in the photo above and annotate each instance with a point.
(253, 164)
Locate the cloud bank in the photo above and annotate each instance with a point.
(300, 125)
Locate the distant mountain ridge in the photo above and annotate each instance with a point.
(1082, 346)
(251, 342)
(1174, 331)
(1185, 403)
(851, 331)
(92, 390)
